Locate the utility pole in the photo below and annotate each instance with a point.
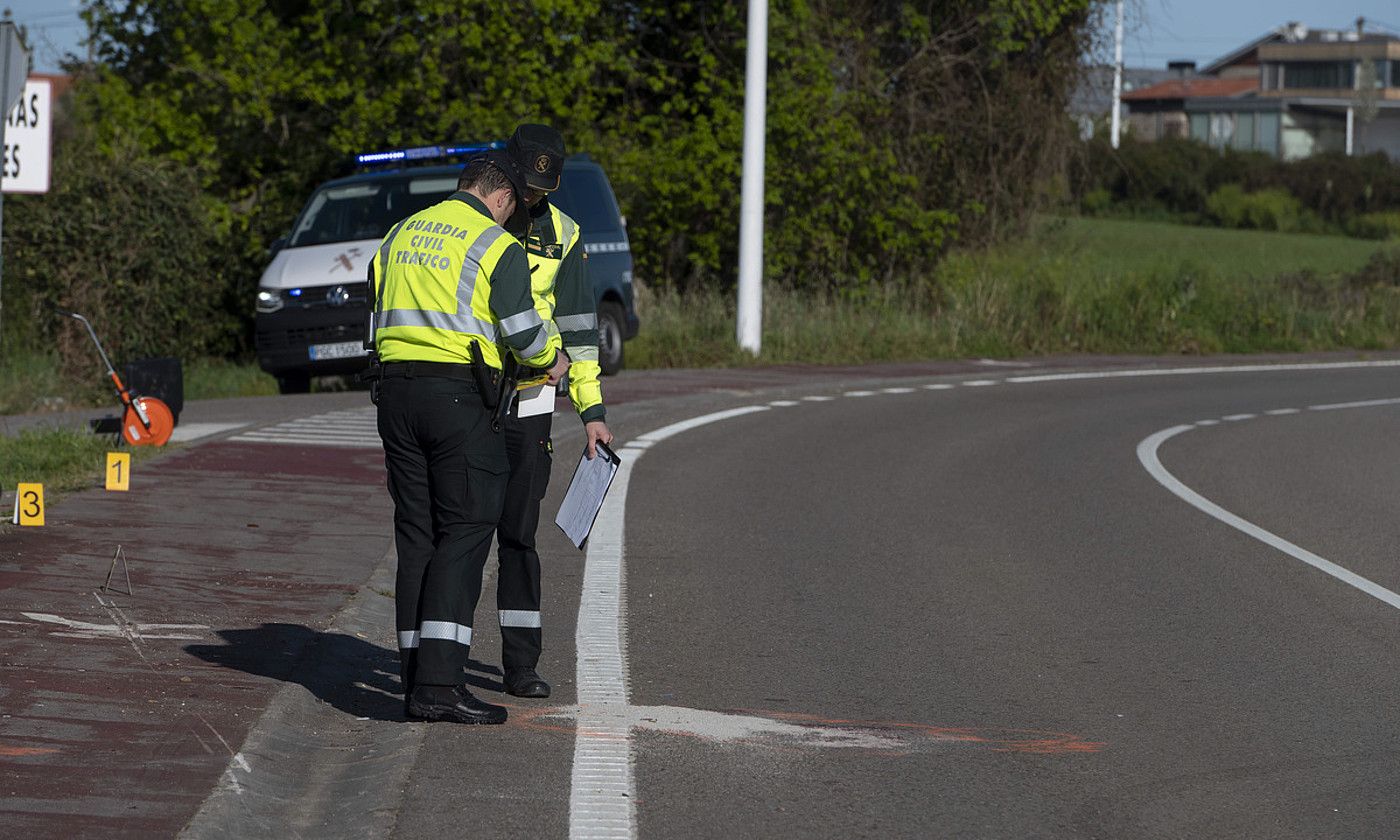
(1117, 72)
(750, 310)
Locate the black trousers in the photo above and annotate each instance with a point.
(518, 587)
(447, 477)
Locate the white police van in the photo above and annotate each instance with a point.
(312, 302)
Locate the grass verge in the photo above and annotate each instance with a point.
(1074, 286)
(63, 460)
(34, 381)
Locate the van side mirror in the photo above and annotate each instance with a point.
(277, 244)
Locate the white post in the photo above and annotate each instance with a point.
(1351, 129)
(1117, 73)
(750, 320)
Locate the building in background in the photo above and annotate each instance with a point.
(1292, 93)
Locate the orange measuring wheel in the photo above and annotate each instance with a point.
(158, 425)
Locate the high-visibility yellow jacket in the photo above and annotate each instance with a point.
(564, 300)
(448, 277)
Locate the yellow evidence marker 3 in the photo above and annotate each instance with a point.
(29, 505)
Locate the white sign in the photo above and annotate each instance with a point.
(28, 140)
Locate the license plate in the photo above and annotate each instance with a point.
(339, 350)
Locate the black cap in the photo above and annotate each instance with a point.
(539, 152)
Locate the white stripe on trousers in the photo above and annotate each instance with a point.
(520, 618)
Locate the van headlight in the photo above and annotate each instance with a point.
(269, 300)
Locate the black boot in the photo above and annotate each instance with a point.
(452, 703)
(524, 682)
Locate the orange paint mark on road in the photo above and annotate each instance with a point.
(1031, 741)
(22, 752)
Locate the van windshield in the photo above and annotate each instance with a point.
(352, 212)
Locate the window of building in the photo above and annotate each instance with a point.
(1319, 74)
(1266, 132)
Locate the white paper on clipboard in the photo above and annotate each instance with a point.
(586, 492)
(535, 400)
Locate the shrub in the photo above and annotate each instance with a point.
(1384, 225)
(126, 240)
(1276, 210)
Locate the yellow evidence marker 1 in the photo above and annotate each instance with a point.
(118, 470)
(29, 505)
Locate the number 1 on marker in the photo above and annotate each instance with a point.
(118, 470)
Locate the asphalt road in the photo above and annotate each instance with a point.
(1059, 646)
(926, 605)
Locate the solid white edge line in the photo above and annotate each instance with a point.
(602, 788)
(1359, 404)
(1147, 454)
(1121, 374)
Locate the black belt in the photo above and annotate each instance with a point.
(446, 370)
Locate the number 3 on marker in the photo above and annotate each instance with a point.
(118, 470)
(31, 504)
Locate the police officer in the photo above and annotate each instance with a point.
(564, 300)
(451, 281)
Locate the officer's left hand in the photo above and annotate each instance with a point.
(597, 432)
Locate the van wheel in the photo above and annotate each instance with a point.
(610, 326)
(294, 383)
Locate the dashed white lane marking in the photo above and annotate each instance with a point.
(859, 394)
(818, 398)
(896, 390)
(784, 403)
(186, 432)
(980, 383)
(353, 428)
(1235, 418)
(938, 386)
(1147, 455)
(602, 791)
(1207, 422)
(1279, 412)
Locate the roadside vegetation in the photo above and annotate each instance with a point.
(63, 460)
(1072, 286)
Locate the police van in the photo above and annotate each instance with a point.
(312, 304)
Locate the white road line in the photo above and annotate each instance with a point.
(818, 398)
(784, 403)
(1187, 371)
(1235, 418)
(1279, 412)
(979, 383)
(1207, 422)
(1361, 404)
(602, 791)
(859, 394)
(1147, 454)
(186, 432)
(896, 390)
(938, 386)
(347, 428)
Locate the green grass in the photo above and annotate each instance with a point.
(214, 378)
(1074, 285)
(34, 381)
(63, 460)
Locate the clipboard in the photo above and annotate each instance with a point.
(586, 492)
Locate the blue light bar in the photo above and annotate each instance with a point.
(295, 292)
(424, 153)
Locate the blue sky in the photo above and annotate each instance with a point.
(1157, 30)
